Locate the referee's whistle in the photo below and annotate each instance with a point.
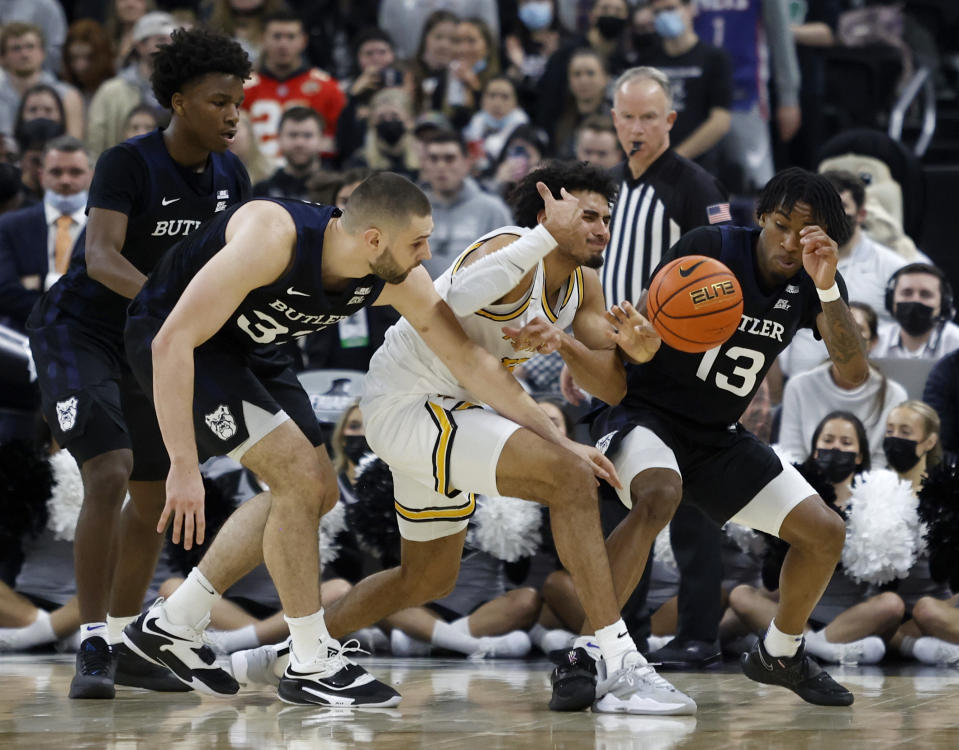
(637, 145)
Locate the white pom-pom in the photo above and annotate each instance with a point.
(66, 498)
(506, 527)
(745, 538)
(882, 530)
(330, 526)
(663, 548)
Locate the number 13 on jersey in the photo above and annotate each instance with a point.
(749, 363)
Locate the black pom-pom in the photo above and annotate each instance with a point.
(26, 481)
(372, 518)
(218, 505)
(939, 510)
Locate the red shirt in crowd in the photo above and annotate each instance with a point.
(267, 97)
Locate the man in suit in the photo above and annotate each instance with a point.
(36, 242)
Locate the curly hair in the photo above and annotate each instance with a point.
(192, 54)
(526, 201)
(795, 185)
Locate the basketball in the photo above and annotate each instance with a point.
(695, 303)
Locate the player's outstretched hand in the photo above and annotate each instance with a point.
(633, 333)
(537, 336)
(571, 392)
(563, 217)
(602, 467)
(184, 501)
(820, 255)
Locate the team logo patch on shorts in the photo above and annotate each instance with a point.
(603, 443)
(221, 422)
(67, 413)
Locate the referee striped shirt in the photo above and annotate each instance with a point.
(652, 212)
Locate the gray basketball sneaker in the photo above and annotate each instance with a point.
(636, 688)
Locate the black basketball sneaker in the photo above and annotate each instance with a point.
(134, 671)
(333, 680)
(180, 648)
(800, 673)
(573, 679)
(94, 676)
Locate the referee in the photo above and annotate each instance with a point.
(662, 196)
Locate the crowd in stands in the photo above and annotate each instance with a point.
(465, 99)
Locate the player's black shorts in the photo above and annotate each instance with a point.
(89, 396)
(723, 469)
(238, 397)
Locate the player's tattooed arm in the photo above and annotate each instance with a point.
(820, 256)
(843, 340)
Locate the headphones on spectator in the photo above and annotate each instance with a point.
(946, 309)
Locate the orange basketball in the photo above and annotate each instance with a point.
(695, 303)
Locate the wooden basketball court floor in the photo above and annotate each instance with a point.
(454, 704)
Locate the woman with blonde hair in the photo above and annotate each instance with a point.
(389, 143)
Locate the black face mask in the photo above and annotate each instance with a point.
(355, 447)
(390, 131)
(610, 27)
(900, 453)
(835, 464)
(915, 317)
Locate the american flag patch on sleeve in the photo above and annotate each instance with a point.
(718, 212)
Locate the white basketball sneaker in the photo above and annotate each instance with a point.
(636, 688)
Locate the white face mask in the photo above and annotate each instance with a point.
(65, 204)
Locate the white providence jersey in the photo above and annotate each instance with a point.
(405, 364)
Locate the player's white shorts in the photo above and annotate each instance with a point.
(746, 492)
(442, 452)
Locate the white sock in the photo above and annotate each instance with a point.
(451, 637)
(92, 629)
(907, 646)
(462, 625)
(192, 602)
(778, 643)
(115, 626)
(820, 646)
(615, 642)
(536, 635)
(36, 633)
(306, 634)
(239, 639)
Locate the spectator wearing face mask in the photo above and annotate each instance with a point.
(535, 36)
(50, 227)
(389, 143)
(608, 36)
(920, 299)
(499, 115)
(700, 77)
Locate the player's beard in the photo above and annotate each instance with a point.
(594, 261)
(386, 268)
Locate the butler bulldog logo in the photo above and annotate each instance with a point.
(67, 413)
(221, 422)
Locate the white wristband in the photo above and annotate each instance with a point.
(828, 295)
